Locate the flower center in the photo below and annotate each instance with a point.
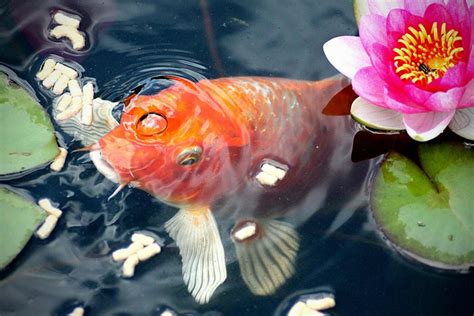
(423, 57)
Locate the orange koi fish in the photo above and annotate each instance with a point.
(246, 148)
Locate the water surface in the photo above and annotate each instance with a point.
(341, 250)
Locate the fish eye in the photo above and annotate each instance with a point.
(151, 124)
(189, 156)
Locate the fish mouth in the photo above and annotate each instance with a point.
(103, 166)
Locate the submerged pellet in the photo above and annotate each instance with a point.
(50, 80)
(47, 69)
(87, 114)
(247, 231)
(78, 311)
(59, 160)
(266, 179)
(46, 205)
(148, 252)
(47, 227)
(128, 268)
(76, 106)
(65, 70)
(63, 102)
(61, 84)
(143, 239)
(66, 19)
(275, 171)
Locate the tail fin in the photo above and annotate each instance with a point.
(266, 253)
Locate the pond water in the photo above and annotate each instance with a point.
(341, 250)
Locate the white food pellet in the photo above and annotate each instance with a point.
(87, 114)
(148, 252)
(128, 268)
(301, 309)
(321, 304)
(76, 38)
(58, 162)
(74, 88)
(63, 102)
(167, 313)
(277, 172)
(48, 226)
(47, 69)
(65, 70)
(76, 106)
(266, 179)
(122, 254)
(50, 80)
(46, 205)
(296, 310)
(78, 311)
(88, 93)
(61, 84)
(143, 239)
(245, 232)
(67, 19)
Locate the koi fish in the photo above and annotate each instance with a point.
(246, 148)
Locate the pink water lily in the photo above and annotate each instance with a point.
(412, 66)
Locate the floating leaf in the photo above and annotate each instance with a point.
(428, 212)
(27, 136)
(19, 219)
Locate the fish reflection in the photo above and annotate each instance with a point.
(246, 148)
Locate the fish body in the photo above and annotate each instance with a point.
(201, 147)
(237, 123)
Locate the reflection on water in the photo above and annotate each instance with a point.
(130, 42)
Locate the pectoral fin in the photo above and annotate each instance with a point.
(201, 250)
(266, 253)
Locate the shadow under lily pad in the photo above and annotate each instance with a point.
(427, 210)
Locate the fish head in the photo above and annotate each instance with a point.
(178, 145)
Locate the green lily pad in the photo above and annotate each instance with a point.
(428, 212)
(28, 138)
(19, 219)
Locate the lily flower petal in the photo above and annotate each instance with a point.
(426, 126)
(445, 101)
(368, 84)
(346, 54)
(463, 123)
(361, 8)
(375, 117)
(468, 97)
(383, 7)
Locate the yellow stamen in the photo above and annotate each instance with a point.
(423, 57)
(413, 31)
(434, 31)
(422, 33)
(411, 38)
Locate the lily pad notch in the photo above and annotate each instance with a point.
(427, 211)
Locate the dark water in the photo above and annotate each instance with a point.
(341, 251)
